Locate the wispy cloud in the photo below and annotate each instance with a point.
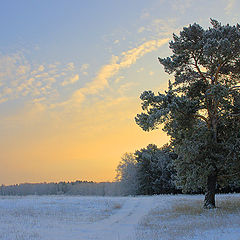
(22, 70)
(116, 41)
(40, 84)
(20, 78)
(2, 100)
(84, 69)
(229, 7)
(36, 100)
(71, 80)
(131, 56)
(181, 6)
(125, 60)
(160, 27)
(118, 79)
(140, 69)
(141, 29)
(145, 14)
(126, 87)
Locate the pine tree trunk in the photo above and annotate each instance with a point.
(209, 201)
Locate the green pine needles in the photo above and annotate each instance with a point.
(200, 111)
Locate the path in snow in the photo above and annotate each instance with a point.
(119, 226)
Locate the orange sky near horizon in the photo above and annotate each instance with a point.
(68, 155)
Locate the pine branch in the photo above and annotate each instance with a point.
(198, 69)
(201, 116)
(217, 72)
(229, 175)
(235, 114)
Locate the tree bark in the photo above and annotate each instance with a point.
(209, 201)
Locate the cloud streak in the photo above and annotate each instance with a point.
(71, 80)
(20, 78)
(229, 7)
(117, 63)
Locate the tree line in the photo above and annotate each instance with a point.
(83, 188)
(151, 170)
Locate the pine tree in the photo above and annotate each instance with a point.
(154, 171)
(201, 108)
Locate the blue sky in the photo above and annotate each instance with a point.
(71, 73)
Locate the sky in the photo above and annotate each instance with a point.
(71, 73)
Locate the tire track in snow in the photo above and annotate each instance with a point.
(122, 225)
(119, 226)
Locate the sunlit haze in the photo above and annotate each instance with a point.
(71, 73)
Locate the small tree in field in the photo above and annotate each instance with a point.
(127, 174)
(154, 170)
(201, 108)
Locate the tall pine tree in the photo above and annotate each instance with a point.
(201, 108)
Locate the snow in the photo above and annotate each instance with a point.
(118, 218)
(52, 217)
(182, 217)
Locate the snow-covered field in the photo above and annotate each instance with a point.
(183, 218)
(118, 218)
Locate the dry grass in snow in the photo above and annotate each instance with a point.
(184, 218)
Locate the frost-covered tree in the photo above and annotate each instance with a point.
(154, 171)
(201, 108)
(127, 174)
(148, 171)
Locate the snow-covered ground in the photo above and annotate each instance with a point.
(183, 218)
(118, 218)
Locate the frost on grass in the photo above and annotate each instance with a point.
(30, 218)
(186, 219)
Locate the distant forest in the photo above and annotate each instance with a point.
(83, 188)
(131, 179)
